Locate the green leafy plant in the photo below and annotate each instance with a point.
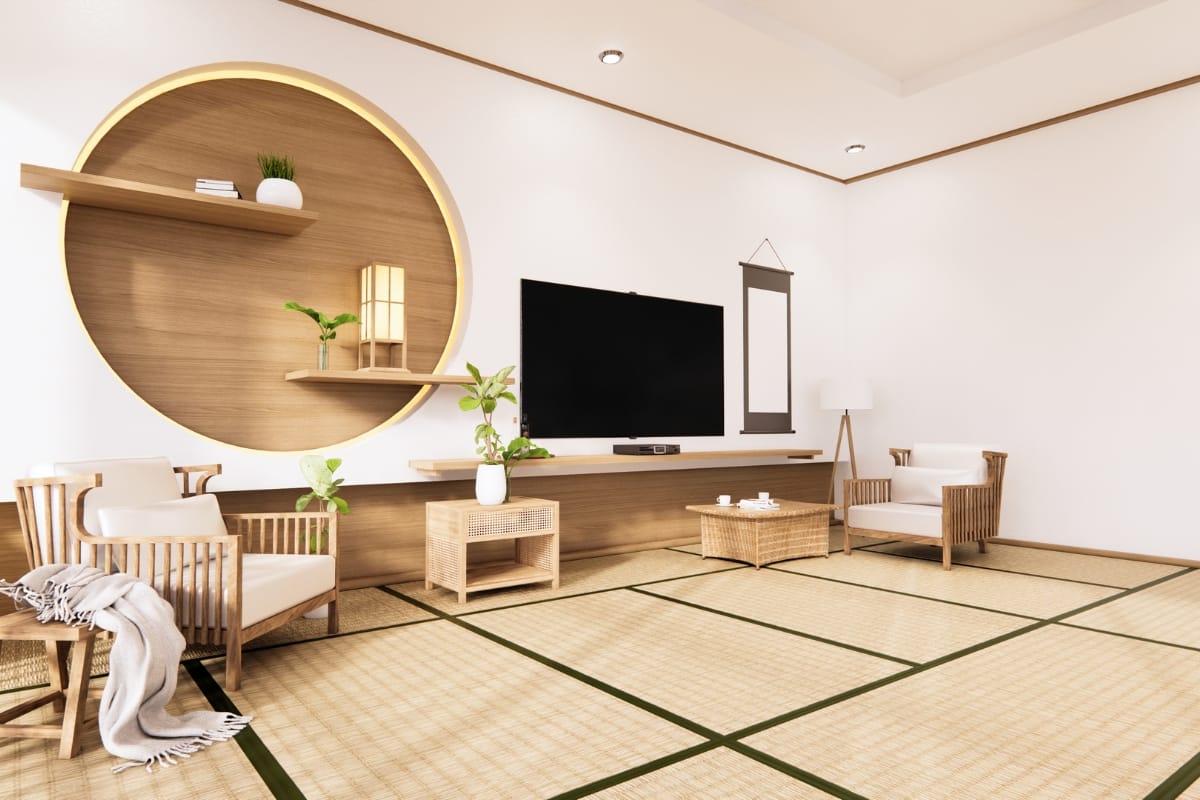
(318, 473)
(328, 326)
(273, 166)
(484, 395)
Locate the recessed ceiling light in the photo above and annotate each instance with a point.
(855, 148)
(611, 56)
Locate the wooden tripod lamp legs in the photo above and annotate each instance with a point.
(844, 425)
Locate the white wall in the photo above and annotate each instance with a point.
(1037, 293)
(1040, 294)
(547, 186)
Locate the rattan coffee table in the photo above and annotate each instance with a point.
(793, 530)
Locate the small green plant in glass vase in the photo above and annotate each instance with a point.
(485, 394)
(328, 327)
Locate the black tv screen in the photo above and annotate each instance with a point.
(597, 363)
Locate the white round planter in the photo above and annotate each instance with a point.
(490, 485)
(279, 192)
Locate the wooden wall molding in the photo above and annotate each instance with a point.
(344, 18)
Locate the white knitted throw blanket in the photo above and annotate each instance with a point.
(143, 662)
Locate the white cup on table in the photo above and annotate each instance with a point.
(724, 500)
(764, 497)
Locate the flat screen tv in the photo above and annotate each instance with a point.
(598, 363)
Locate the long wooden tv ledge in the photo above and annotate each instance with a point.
(675, 461)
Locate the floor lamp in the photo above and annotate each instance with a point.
(844, 394)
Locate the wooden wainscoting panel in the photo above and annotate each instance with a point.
(13, 563)
(382, 539)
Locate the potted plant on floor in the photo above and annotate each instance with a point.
(328, 327)
(318, 473)
(278, 186)
(492, 476)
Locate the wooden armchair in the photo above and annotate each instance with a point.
(229, 577)
(939, 494)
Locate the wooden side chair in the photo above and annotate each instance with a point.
(939, 494)
(229, 577)
(68, 690)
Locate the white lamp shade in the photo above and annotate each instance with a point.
(845, 394)
(382, 311)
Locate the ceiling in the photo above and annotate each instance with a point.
(799, 80)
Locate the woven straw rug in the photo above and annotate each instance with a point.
(1024, 674)
(23, 664)
(1056, 713)
(434, 711)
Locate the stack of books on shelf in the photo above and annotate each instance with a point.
(218, 188)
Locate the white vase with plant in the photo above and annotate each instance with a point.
(328, 327)
(318, 473)
(278, 186)
(493, 475)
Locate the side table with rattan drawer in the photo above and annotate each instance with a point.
(452, 525)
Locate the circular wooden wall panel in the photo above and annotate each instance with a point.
(190, 316)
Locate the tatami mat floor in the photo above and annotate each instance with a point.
(1021, 673)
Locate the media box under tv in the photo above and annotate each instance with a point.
(646, 449)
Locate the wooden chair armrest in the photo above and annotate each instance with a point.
(967, 494)
(91, 539)
(297, 532)
(202, 472)
(861, 491)
(900, 455)
(153, 557)
(969, 512)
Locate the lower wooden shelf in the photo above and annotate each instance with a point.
(510, 573)
(373, 376)
(676, 461)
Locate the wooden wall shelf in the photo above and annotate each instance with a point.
(376, 376)
(678, 460)
(160, 201)
(357, 376)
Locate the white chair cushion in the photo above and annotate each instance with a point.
(270, 583)
(126, 482)
(924, 484)
(950, 456)
(186, 516)
(918, 520)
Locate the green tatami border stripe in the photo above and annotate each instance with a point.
(793, 771)
(635, 772)
(268, 768)
(812, 636)
(715, 738)
(1118, 634)
(540, 600)
(971, 606)
(1005, 571)
(1179, 780)
(937, 662)
(582, 677)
